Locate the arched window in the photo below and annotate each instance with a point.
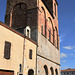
(52, 72)
(31, 72)
(52, 31)
(55, 8)
(30, 54)
(19, 15)
(56, 72)
(46, 70)
(44, 19)
(56, 35)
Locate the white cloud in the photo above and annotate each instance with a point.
(62, 55)
(61, 38)
(69, 47)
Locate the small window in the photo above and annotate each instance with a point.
(49, 35)
(46, 70)
(30, 54)
(41, 29)
(55, 9)
(52, 72)
(53, 37)
(7, 50)
(27, 33)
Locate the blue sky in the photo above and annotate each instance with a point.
(66, 17)
(66, 14)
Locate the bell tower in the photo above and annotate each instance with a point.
(19, 13)
(22, 13)
(41, 16)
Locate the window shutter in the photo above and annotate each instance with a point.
(7, 50)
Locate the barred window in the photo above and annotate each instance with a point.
(7, 50)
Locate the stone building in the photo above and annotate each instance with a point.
(68, 71)
(37, 19)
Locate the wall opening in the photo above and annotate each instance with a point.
(46, 70)
(52, 73)
(30, 54)
(56, 72)
(31, 72)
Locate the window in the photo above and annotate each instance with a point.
(7, 50)
(52, 73)
(67, 73)
(41, 29)
(46, 70)
(56, 72)
(30, 54)
(44, 21)
(57, 40)
(49, 35)
(55, 8)
(27, 33)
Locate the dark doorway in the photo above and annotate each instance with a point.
(30, 72)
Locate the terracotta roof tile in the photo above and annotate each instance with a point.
(67, 70)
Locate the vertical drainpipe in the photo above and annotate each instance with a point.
(23, 56)
(37, 35)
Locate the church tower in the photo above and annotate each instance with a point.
(22, 13)
(42, 18)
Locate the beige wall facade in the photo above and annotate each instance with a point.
(16, 57)
(19, 53)
(29, 63)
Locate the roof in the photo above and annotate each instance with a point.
(66, 70)
(18, 33)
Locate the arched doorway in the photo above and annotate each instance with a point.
(31, 72)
